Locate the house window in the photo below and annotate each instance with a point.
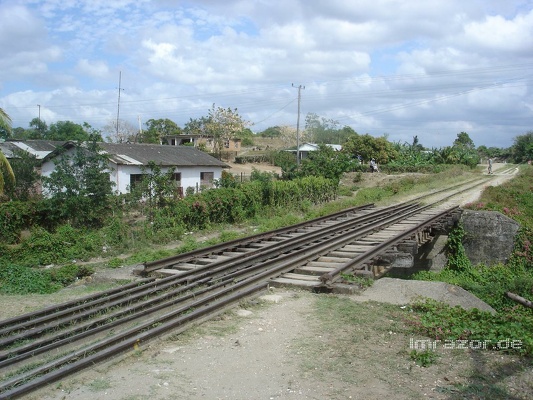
(177, 177)
(135, 179)
(206, 179)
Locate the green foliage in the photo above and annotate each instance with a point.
(463, 140)
(156, 186)
(67, 130)
(17, 279)
(227, 180)
(424, 358)
(489, 283)
(263, 177)
(157, 128)
(284, 159)
(14, 217)
(522, 150)
(24, 169)
(80, 186)
(442, 322)
(325, 162)
(69, 273)
(457, 259)
(369, 147)
(271, 132)
(363, 281)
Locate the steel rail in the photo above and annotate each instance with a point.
(195, 254)
(151, 266)
(7, 324)
(274, 265)
(330, 277)
(209, 271)
(101, 302)
(269, 268)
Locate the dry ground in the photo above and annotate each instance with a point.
(286, 346)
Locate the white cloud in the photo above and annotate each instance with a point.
(496, 33)
(381, 66)
(94, 69)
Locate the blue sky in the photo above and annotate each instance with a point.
(385, 67)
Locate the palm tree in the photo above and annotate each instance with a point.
(5, 167)
(5, 120)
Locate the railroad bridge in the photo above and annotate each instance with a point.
(364, 241)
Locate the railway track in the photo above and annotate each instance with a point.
(48, 345)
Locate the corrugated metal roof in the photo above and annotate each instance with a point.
(38, 148)
(164, 155)
(123, 153)
(124, 159)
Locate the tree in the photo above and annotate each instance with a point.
(126, 132)
(80, 184)
(40, 129)
(5, 121)
(24, 168)
(246, 136)
(67, 130)
(197, 126)
(464, 141)
(271, 132)
(20, 133)
(416, 146)
(288, 135)
(325, 162)
(6, 172)
(321, 130)
(157, 128)
(223, 125)
(156, 187)
(369, 147)
(522, 150)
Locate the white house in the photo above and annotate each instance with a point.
(193, 168)
(306, 148)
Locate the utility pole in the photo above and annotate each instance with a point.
(299, 87)
(40, 126)
(140, 128)
(118, 104)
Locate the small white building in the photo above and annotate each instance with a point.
(193, 168)
(305, 148)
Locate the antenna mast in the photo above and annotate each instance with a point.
(118, 104)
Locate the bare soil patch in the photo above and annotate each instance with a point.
(293, 345)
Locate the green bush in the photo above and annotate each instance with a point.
(16, 279)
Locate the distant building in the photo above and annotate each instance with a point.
(230, 147)
(306, 148)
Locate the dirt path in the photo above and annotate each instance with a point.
(285, 347)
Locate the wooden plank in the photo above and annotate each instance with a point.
(313, 270)
(301, 277)
(279, 282)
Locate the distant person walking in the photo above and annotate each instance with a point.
(373, 165)
(490, 166)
